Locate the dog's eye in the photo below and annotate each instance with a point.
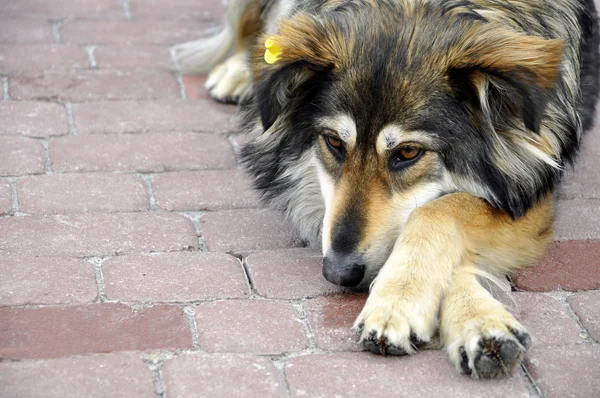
(335, 146)
(405, 156)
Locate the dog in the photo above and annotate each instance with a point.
(418, 142)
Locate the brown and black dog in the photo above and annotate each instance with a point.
(418, 142)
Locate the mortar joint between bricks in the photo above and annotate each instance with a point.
(97, 263)
(148, 179)
(561, 296)
(90, 50)
(126, 9)
(279, 364)
(194, 217)
(190, 314)
(534, 389)
(249, 281)
(47, 161)
(157, 379)
(56, 29)
(300, 308)
(15, 210)
(70, 120)
(177, 72)
(5, 93)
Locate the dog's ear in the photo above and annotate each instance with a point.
(307, 49)
(511, 74)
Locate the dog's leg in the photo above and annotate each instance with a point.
(405, 298)
(481, 337)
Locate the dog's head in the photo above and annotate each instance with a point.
(402, 103)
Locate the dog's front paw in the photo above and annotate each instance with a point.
(490, 348)
(230, 82)
(396, 324)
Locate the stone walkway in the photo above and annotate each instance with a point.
(136, 262)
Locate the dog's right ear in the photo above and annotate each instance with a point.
(307, 50)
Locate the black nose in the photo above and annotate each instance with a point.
(343, 269)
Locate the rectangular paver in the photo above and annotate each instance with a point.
(174, 276)
(20, 156)
(577, 220)
(5, 197)
(21, 31)
(178, 9)
(587, 307)
(17, 59)
(33, 119)
(57, 9)
(133, 57)
(95, 234)
(49, 332)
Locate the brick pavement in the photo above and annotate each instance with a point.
(136, 262)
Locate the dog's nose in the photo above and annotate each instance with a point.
(343, 269)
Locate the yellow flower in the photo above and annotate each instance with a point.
(273, 51)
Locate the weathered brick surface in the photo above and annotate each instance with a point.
(577, 220)
(569, 265)
(34, 119)
(46, 280)
(582, 183)
(566, 371)
(57, 9)
(331, 319)
(89, 85)
(95, 234)
(179, 9)
(73, 193)
(195, 86)
(244, 231)
(587, 307)
(15, 59)
(142, 153)
(249, 326)
(20, 156)
(133, 57)
(151, 116)
(115, 375)
(5, 197)
(427, 374)
(204, 190)
(24, 31)
(272, 271)
(174, 276)
(546, 319)
(221, 375)
(49, 332)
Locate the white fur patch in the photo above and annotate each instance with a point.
(392, 135)
(343, 125)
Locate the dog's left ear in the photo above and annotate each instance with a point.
(307, 49)
(512, 74)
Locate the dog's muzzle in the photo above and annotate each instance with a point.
(343, 269)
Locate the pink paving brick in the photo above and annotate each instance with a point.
(57, 9)
(204, 190)
(566, 371)
(15, 59)
(46, 280)
(141, 153)
(426, 374)
(249, 326)
(271, 271)
(75, 193)
(221, 376)
(569, 265)
(21, 156)
(587, 307)
(194, 86)
(149, 31)
(5, 197)
(583, 182)
(133, 57)
(33, 119)
(546, 319)
(90, 85)
(49, 332)
(152, 116)
(174, 276)
(244, 231)
(96, 234)
(116, 375)
(25, 31)
(577, 220)
(331, 319)
(178, 9)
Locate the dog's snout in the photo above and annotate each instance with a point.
(343, 269)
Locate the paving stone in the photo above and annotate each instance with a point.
(133, 57)
(204, 190)
(115, 375)
(249, 326)
(141, 153)
(34, 119)
(90, 85)
(152, 116)
(5, 197)
(178, 9)
(331, 319)
(245, 231)
(195, 86)
(587, 307)
(15, 59)
(566, 371)
(25, 31)
(221, 376)
(546, 319)
(82, 235)
(427, 374)
(584, 180)
(49, 332)
(577, 220)
(46, 280)
(21, 156)
(272, 271)
(174, 276)
(149, 31)
(58, 9)
(568, 265)
(74, 193)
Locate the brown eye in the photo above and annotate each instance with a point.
(404, 157)
(409, 152)
(334, 142)
(335, 146)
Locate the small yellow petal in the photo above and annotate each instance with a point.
(273, 51)
(270, 57)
